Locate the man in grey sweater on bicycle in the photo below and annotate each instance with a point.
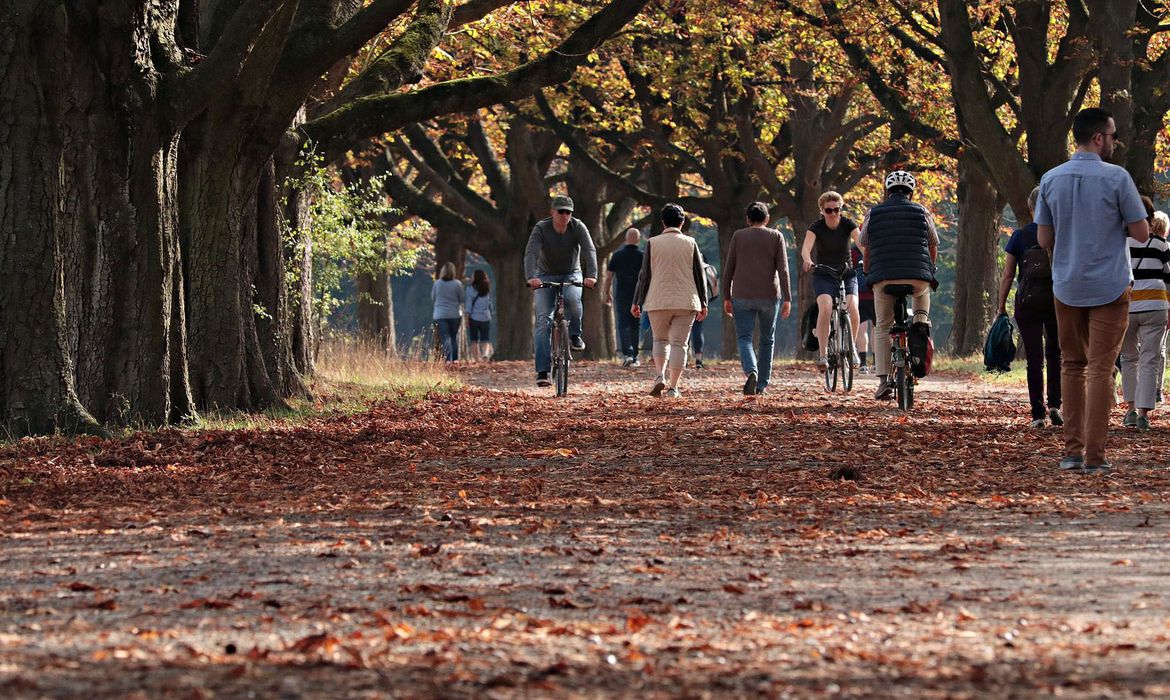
(557, 249)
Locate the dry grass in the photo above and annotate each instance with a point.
(345, 361)
(350, 376)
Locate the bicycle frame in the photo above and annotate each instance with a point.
(840, 357)
(561, 354)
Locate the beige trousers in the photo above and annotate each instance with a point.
(672, 335)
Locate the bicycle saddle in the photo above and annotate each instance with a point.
(899, 290)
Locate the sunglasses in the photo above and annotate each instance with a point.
(564, 212)
(1114, 135)
(833, 210)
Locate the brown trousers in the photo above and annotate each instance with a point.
(1090, 338)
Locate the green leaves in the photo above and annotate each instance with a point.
(346, 232)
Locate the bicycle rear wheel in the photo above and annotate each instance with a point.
(846, 354)
(902, 387)
(561, 364)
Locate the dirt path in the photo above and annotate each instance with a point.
(500, 543)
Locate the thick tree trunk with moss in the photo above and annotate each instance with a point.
(220, 220)
(90, 302)
(980, 209)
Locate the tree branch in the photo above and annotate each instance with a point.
(352, 35)
(475, 10)
(410, 197)
(372, 116)
(439, 170)
(189, 92)
(497, 179)
(699, 205)
(402, 62)
(764, 171)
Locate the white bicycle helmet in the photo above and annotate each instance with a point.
(900, 178)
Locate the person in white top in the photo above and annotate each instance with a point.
(672, 289)
(1143, 351)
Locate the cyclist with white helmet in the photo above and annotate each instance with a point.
(899, 244)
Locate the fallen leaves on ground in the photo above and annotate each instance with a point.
(500, 542)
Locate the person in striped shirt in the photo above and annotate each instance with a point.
(1143, 352)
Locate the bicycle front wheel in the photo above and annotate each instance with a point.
(831, 356)
(561, 363)
(846, 355)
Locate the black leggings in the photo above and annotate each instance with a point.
(1041, 347)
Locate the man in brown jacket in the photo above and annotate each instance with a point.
(755, 276)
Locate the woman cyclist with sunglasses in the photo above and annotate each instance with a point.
(828, 241)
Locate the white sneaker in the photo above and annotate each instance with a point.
(822, 363)
(673, 393)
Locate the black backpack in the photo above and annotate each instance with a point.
(1034, 292)
(1000, 348)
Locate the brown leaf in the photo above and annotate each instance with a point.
(567, 603)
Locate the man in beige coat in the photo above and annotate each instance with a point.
(672, 289)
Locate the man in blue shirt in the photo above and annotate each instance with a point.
(621, 278)
(1085, 209)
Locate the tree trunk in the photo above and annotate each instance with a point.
(298, 250)
(91, 279)
(219, 194)
(274, 317)
(594, 319)
(980, 210)
(514, 307)
(727, 228)
(803, 298)
(449, 248)
(375, 311)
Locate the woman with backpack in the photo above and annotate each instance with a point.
(479, 316)
(1035, 313)
(1143, 351)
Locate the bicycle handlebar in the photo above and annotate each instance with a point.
(554, 285)
(831, 271)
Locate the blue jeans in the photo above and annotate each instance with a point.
(747, 312)
(697, 337)
(449, 333)
(545, 307)
(628, 327)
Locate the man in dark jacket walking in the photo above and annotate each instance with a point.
(621, 276)
(899, 244)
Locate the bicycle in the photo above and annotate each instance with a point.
(839, 348)
(904, 379)
(561, 355)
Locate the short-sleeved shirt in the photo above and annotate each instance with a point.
(1088, 204)
(625, 264)
(1022, 239)
(831, 246)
